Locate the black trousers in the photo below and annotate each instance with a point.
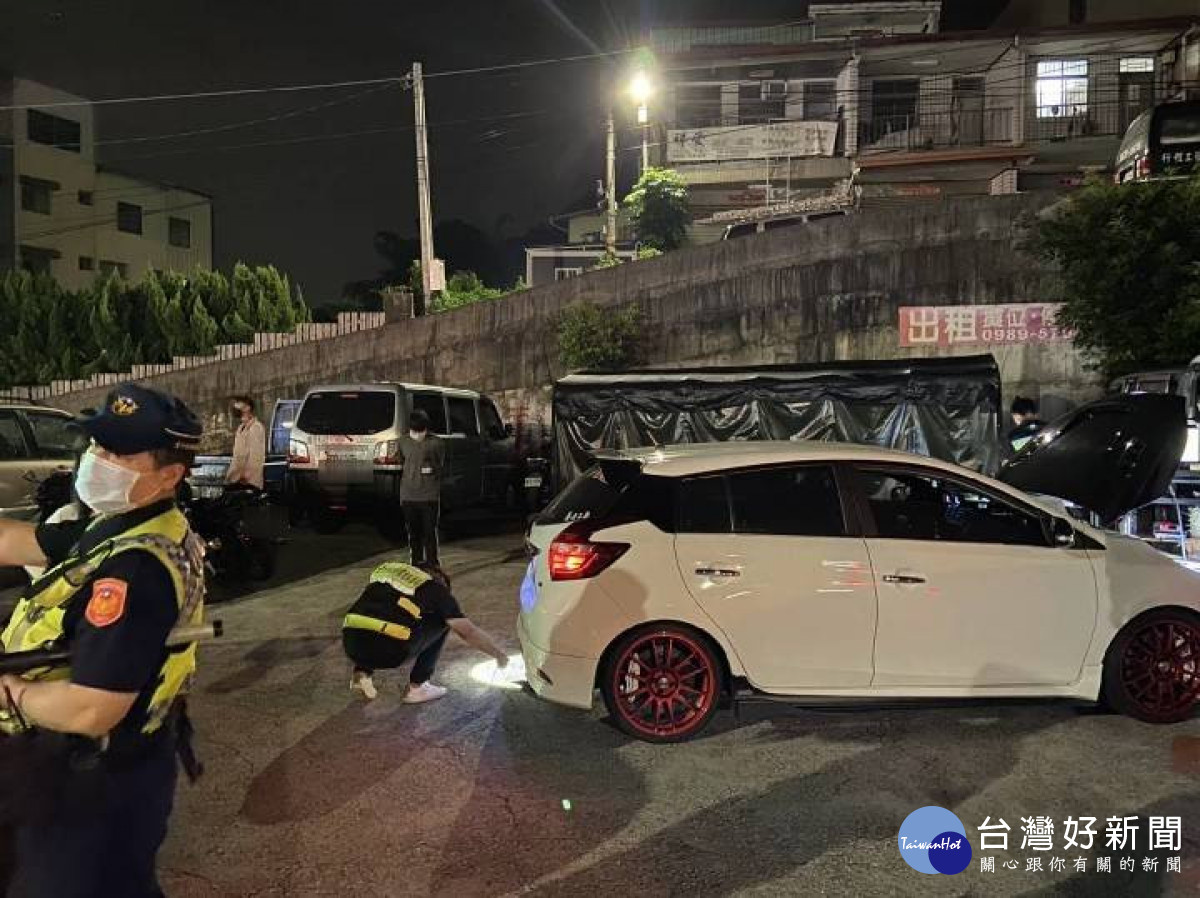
(108, 846)
(372, 651)
(421, 518)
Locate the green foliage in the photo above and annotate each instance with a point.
(591, 337)
(1129, 263)
(608, 260)
(462, 289)
(49, 333)
(648, 252)
(658, 208)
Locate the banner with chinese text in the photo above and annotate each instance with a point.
(998, 325)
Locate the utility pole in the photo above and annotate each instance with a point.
(610, 228)
(432, 277)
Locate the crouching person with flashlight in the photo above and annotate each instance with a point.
(91, 746)
(405, 613)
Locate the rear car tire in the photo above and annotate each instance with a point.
(1152, 669)
(662, 683)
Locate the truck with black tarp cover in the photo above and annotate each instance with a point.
(947, 408)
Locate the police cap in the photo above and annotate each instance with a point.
(139, 419)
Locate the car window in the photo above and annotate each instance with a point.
(589, 496)
(462, 416)
(489, 418)
(12, 439)
(52, 435)
(792, 501)
(347, 413)
(434, 406)
(281, 426)
(704, 506)
(912, 505)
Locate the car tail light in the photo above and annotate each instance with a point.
(573, 555)
(1142, 169)
(388, 453)
(297, 452)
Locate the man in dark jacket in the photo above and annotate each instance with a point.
(1026, 422)
(421, 487)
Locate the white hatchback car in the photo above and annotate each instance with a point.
(671, 578)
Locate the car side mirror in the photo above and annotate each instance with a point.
(1062, 533)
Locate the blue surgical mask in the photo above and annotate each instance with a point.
(104, 486)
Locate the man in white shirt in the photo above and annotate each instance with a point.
(249, 446)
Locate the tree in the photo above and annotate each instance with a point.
(462, 289)
(658, 208)
(591, 337)
(1128, 259)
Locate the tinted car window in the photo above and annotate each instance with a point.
(462, 416)
(589, 496)
(433, 405)
(704, 506)
(489, 418)
(911, 505)
(794, 501)
(12, 440)
(52, 435)
(347, 414)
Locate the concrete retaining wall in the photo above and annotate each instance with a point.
(830, 290)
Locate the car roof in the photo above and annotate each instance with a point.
(398, 385)
(700, 458)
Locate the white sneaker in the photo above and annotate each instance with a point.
(426, 692)
(364, 684)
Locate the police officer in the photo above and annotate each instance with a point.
(116, 584)
(405, 613)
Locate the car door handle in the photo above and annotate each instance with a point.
(902, 578)
(718, 572)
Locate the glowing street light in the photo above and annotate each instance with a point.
(641, 88)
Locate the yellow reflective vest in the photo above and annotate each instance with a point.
(37, 621)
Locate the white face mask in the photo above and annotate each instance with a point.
(418, 436)
(104, 486)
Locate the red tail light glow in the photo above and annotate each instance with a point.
(574, 556)
(388, 453)
(1142, 168)
(297, 453)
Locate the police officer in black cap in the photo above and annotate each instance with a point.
(115, 585)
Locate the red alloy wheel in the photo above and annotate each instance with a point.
(663, 685)
(1159, 669)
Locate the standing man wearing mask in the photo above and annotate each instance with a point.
(421, 488)
(249, 446)
(116, 584)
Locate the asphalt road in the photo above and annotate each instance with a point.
(312, 791)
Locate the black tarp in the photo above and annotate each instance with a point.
(947, 408)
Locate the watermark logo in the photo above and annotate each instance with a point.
(933, 840)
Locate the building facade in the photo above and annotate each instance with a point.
(876, 94)
(64, 214)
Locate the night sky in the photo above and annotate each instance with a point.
(514, 148)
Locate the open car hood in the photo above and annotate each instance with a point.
(1109, 456)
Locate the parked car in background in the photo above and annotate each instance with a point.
(207, 478)
(344, 451)
(1162, 141)
(35, 441)
(672, 578)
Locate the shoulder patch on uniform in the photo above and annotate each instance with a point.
(107, 603)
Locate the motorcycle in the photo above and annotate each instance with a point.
(234, 528)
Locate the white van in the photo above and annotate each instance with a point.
(344, 451)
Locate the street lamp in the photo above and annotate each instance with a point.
(641, 88)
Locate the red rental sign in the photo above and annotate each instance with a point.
(981, 325)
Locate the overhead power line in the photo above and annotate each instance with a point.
(297, 88)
